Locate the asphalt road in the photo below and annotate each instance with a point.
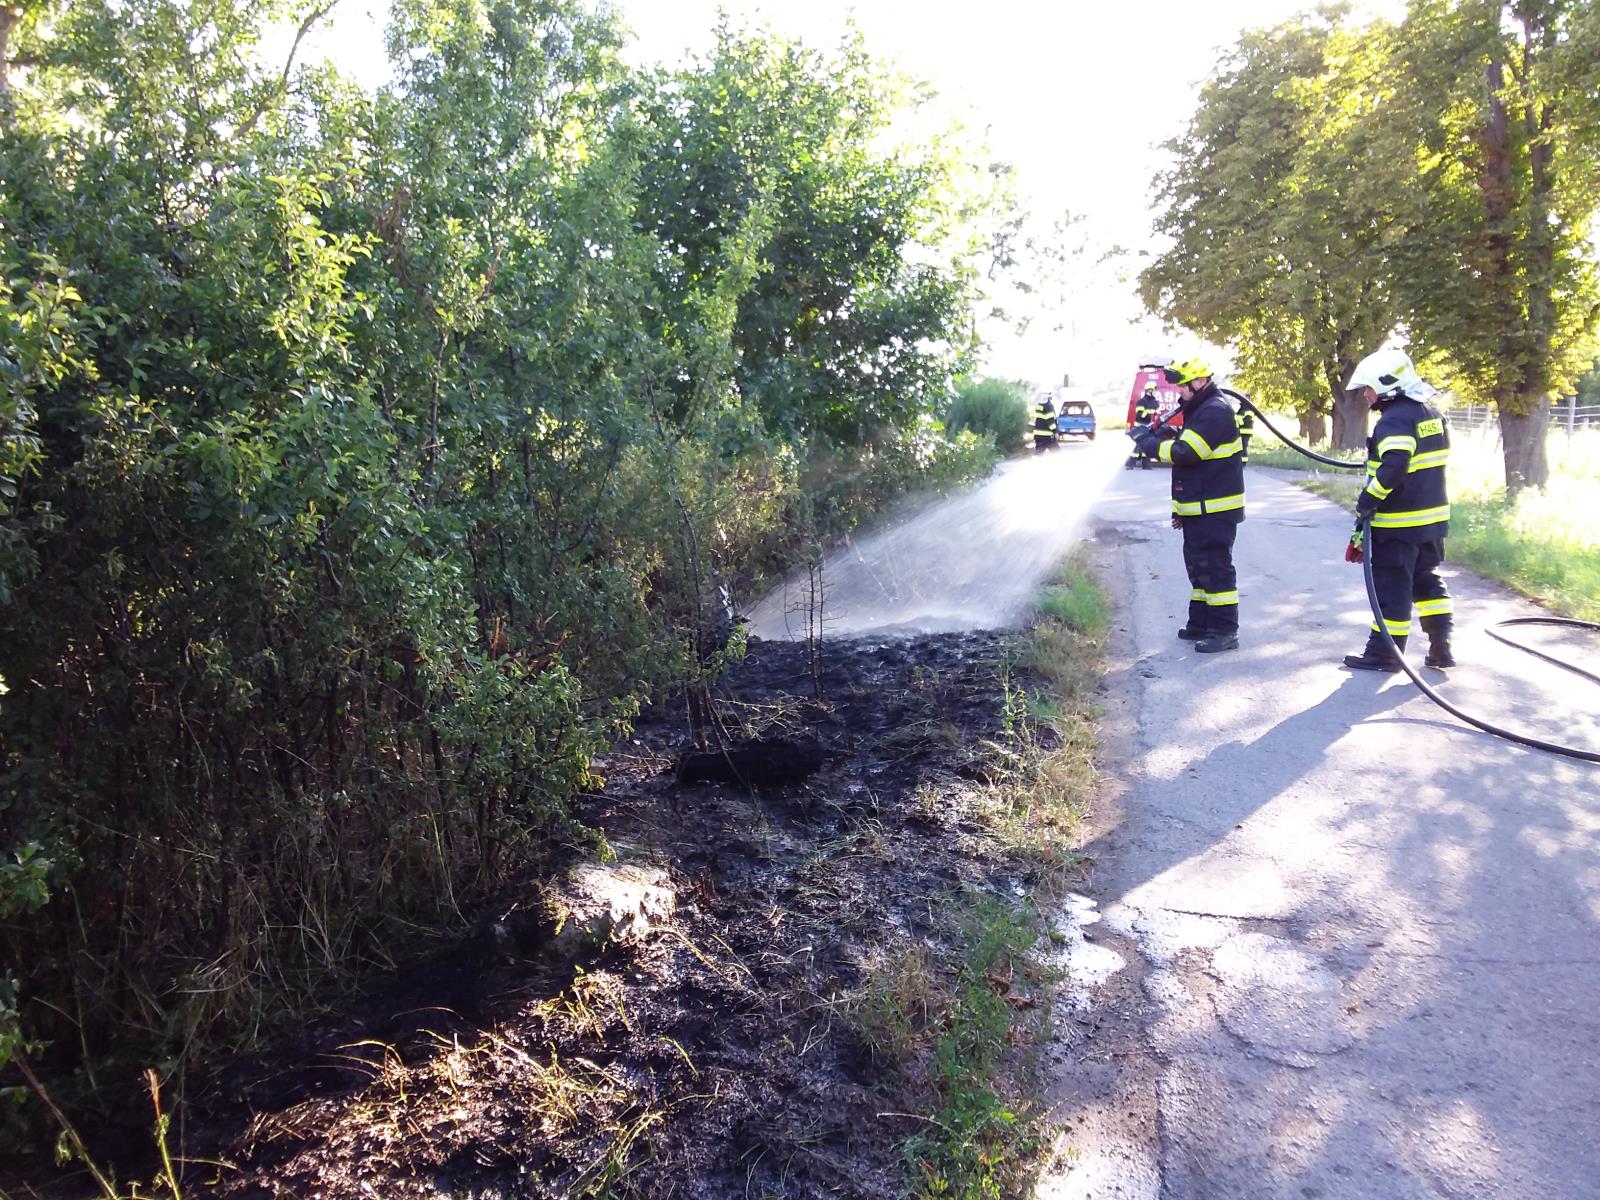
(1358, 939)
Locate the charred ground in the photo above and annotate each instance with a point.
(766, 1026)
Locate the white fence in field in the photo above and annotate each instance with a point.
(1566, 416)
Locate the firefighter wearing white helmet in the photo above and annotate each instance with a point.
(1207, 501)
(1408, 508)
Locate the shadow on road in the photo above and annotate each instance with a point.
(1368, 931)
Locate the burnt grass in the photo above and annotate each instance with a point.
(720, 1054)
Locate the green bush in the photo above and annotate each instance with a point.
(365, 462)
(996, 410)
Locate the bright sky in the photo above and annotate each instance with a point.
(1077, 96)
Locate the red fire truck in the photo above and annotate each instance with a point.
(1166, 393)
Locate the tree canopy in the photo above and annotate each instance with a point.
(1433, 179)
(1271, 250)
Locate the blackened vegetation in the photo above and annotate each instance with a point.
(755, 762)
(715, 1055)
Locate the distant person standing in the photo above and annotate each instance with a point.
(1044, 422)
(1145, 412)
(1207, 501)
(1409, 511)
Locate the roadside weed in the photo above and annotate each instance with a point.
(901, 1001)
(1045, 773)
(958, 1027)
(984, 1135)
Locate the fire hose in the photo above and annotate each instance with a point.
(1382, 627)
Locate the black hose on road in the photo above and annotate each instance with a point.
(1549, 658)
(1378, 622)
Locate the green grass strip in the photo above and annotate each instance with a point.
(978, 1145)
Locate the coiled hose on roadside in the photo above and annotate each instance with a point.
(1377, 616)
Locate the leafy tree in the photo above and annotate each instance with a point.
(1272, 250)
(333, 443)
(1489, 148)
(324, 548)
(845, 330)
(19, 20)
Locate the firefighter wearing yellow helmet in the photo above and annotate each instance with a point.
(1145, 411)
(1409, 510)
(1207, 501)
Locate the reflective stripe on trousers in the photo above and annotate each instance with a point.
(1213, 582)
(1407, 573)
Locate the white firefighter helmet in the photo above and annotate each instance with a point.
(1389, 373)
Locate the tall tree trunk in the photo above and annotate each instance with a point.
(1313, 428)
(1522, 392)
(1525, 436)
(1349, 412)
(1524, 411)
(10, 18)
(1349, 422)
(1532, 461)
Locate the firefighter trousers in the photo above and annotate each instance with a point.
(1406, 573)
(1213, 583)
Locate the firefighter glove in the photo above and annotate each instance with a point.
(1147, 442)
(1356, 551)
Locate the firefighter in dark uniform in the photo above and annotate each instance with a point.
(1207, 501)
(1409, 510)
(1247, 429)
(1044, 422)
(1145, 411)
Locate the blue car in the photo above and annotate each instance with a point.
(1075, 417)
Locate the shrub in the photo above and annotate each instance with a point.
(364, 465)
(993, 409)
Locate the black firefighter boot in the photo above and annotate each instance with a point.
(1438, 631)
(1376, 656)
(1214, 641)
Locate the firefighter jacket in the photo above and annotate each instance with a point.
(1406, 456)
(1247, 422)
(1044, 419)
(1145, 409)
(1206, 458)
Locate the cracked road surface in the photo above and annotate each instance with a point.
(1361, 938)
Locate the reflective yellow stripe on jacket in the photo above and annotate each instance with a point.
(1429, 459)
(1198, 508)
(1199, 445)
(1409, 520)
